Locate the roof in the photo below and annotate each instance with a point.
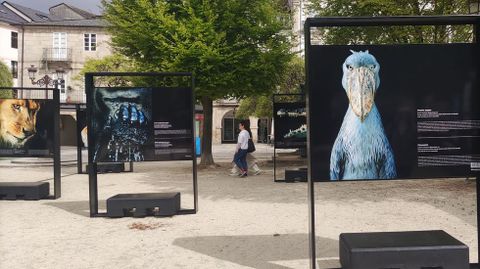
(81, 12)
(8, 16)
(33, 14)
(98, 22)
(16, 14)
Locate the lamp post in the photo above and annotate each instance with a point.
(474, 6)
(45, 80)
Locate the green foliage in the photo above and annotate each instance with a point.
(391, 35)
(233, 47)
(261, 106)
(6, 80)
(112, 63)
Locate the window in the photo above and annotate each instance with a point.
(15, 40)
(62, 85)
(59, 46)
(90, 42)
(14, 69)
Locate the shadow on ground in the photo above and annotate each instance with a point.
(81, 208)
(259, 251)
(216, 185)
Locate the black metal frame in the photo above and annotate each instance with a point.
(302, 96)
(376, 21)
(92, 171)
(57, 176)
(79, 108)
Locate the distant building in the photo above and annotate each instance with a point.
(300, 12)
(65, 38)
(10, 40)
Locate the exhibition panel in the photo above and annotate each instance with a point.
(391, 111)
(30, 127)
(150, 120)
(290, 124)
(290, 131)
(394, 111)
(128, 127)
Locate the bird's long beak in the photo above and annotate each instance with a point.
(361, 91)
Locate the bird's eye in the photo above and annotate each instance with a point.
(373, 67)
(349, 67)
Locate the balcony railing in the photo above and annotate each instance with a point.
(57, 55)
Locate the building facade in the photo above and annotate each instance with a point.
(62, 39)
(65, 38)
(10, 40)
(67, 45)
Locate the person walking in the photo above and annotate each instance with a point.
(251, 160)
(252, 165)
(240, 157)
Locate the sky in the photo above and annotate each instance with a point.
(43, 5)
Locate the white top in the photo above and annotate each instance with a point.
(243, 138)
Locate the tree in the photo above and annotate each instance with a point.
(261, 106)
(111, 63)
(392, 34)
(235, 48)
(6, 80)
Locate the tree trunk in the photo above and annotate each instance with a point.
(207, 157)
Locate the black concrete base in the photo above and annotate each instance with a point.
(296, 175)
(103, 168)
(24, 190)
(143, 204)
(406, 250)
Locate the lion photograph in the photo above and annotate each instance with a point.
(18, 119)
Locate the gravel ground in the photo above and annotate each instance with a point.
(242, 223)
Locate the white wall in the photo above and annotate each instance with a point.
(7, 53)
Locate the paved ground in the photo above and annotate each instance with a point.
(242, 223)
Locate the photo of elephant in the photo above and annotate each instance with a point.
(361, 149)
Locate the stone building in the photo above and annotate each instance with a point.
(64, 38)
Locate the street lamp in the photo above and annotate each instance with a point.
(45, 80)
(474, 7)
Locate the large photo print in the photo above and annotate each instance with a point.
(142, 124)
(26, 127)
(387, 112)
(290, 125)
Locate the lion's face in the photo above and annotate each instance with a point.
(18, 119)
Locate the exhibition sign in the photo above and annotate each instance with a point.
(26, 127)
(142, 124)
(151, 120)
(290, 124)
(391, 111)
(31, 128)
(394, 111)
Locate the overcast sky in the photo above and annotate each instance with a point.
(43, 5)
